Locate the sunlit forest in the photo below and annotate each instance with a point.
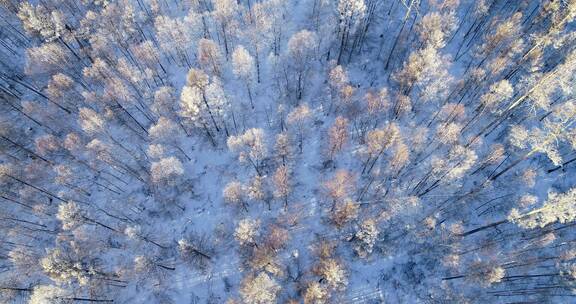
(287, 151)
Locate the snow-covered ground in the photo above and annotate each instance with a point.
(407, 151)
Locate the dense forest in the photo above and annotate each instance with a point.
(287, 151)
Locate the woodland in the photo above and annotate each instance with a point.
(287, 151)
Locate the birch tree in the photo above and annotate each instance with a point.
(301, 49)
(557, 208)
(243, 68)
(250, 147)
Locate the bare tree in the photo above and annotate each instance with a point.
(233, 193)
(301, 49)
(247, 231)
(299, 119)
(209, 57)
(250, 147)
(282, 184)
(243, 68)
(332, 273)
(557, 208)
(259, 289)
(337, 136)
